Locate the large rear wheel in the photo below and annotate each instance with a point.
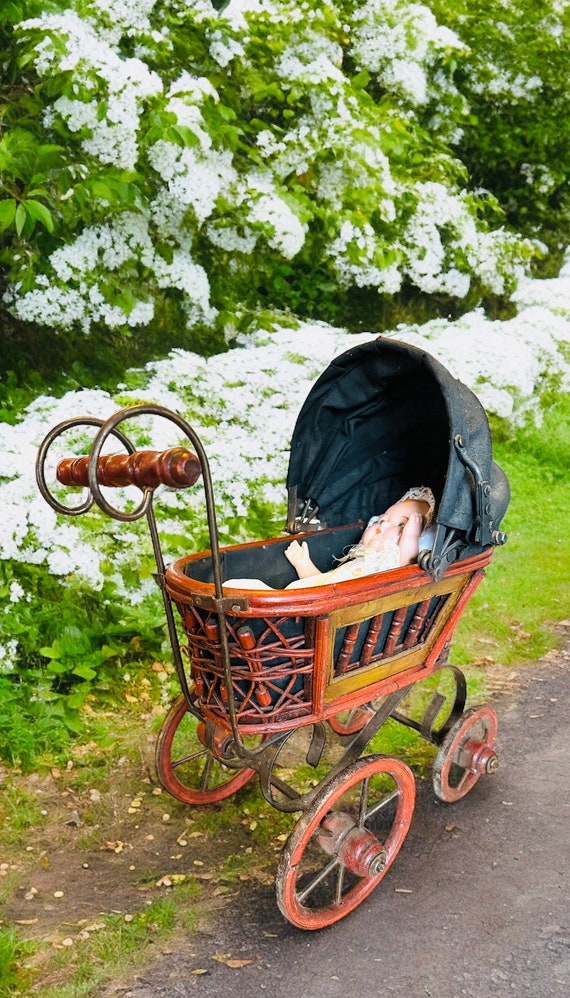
(342, 847)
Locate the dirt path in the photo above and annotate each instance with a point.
(475, 905)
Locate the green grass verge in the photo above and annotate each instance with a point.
(512, 618)
(14, 951)
(75, 966)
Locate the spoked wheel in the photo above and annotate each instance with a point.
(466, 753)
(350, 722)
(340, 849)
(188, 769)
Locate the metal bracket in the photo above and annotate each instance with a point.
(306, 521)
(483, 533)
(223, 604)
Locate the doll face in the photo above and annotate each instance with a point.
(388, 527)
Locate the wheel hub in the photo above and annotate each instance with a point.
(479, 757)
(356, 847)
(219, 742)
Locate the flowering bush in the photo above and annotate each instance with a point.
(81, 611)
(161, 156)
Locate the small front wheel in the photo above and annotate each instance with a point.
(341, 848)
(466, 753)
(188, 769)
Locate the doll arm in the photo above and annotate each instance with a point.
(410, 538)
(298, 555)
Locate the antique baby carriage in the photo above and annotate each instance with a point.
(329, 665)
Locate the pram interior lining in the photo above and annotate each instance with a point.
(366, 436)
(267, 561)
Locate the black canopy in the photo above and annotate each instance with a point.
(385, 416)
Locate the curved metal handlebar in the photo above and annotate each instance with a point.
(177, 467)
(51, 437)
(147, 470)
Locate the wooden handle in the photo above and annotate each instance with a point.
(177, 468)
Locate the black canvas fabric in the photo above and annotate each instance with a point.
(381, 418)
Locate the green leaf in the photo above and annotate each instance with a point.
(84, 671)
(181, 135)
(126, 300)
(101, 190)
(108, 651)
(7, 213)
(361, 80)
(50, 651)
(49, 157)
(57, 667)
(74, 702)
(40, 213)
(21, 218)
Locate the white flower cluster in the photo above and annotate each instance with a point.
(81, 267)
(191, 279)
(539, 176)
(237, 8)
(354, 252)
(100, 73)
(315, 60)
(224, 48)
(29, 525)
(8, 656)
(105, 246)
(420, 253)
(195, 179)
(427, 256)
(195, 87)
(123, 14)
(401, 43)
(284, 230)
(508, 85)
(50, 305)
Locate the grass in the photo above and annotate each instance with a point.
(13, 951)
(75, 965)
(61, 958)
(511, 619)
(19, 811)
